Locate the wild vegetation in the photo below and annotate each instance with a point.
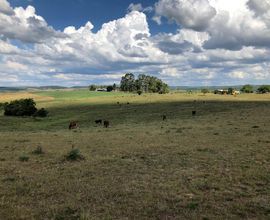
(23, 107)
(213, 165)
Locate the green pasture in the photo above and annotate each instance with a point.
(214, 165)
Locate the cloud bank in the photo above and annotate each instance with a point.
(216, 42)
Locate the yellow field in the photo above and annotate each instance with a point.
(9, 96)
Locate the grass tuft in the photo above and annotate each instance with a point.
(24, 158)
(74, 155)
(38, 150)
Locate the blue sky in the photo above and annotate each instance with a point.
(184, 42)
(63, 13)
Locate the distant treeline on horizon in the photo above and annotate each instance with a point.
(23, 88)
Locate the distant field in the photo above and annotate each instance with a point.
(76, 94)
(214, 165)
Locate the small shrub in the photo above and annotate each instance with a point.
(139, 92)
(38, 150)
(67, 213)
(204, 91)
(23, 158)
(74, 155)
(193, 205)
(9, 179)
(41, 113)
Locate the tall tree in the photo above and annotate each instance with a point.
(128, 83)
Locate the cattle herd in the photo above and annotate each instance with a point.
(106, 123)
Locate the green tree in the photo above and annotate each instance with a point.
(143, 83)
(264, 89)
(247, 89)
(109, 88)
(92, 87)
(230, 91)
(128, 83)
(114, 87)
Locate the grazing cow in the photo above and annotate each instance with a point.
(99, 121)
(164, 117)
(194, 113)
(73, 125)
(106, 124)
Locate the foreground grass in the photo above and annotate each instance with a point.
(211, 166)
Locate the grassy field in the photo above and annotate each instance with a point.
(214, 165)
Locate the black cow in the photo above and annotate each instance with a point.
(106, 124)
(99, 121)
(164, 117)
(194, 113)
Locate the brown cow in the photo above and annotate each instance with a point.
(106, 124)
(73, 125)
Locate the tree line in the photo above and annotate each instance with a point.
(245, 89)
(143, 84)
(249, 89)
(109, 88)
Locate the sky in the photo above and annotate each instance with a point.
(183, 42)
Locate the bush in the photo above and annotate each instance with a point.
(264, 89)
(109, 88)
(139, 92)
(41, 113)
(22, 107)
(74, 155)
